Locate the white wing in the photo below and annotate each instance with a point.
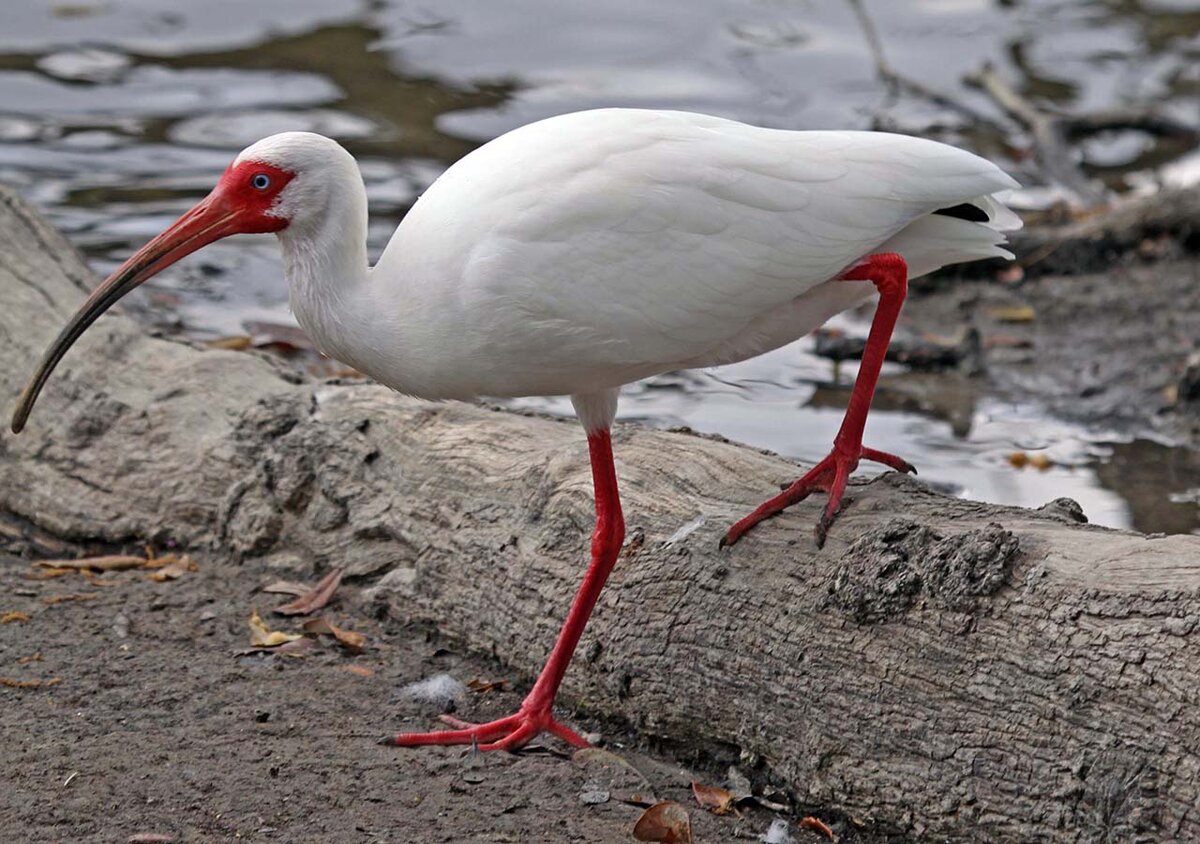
(625, 241)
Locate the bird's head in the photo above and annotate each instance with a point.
(279, 183)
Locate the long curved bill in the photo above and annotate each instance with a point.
(211, 219)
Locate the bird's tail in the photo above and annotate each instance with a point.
(937, 240)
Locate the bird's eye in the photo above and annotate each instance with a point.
(260, 181)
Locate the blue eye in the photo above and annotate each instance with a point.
(260, 181)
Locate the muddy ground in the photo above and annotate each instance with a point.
(160, 723)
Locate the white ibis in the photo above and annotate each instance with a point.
(586, 251)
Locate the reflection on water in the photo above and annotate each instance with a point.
(116, 114)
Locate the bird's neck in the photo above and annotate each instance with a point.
(328, 276)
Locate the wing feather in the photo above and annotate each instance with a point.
(625, 238)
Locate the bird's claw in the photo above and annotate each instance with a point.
(509, 733)
(830, 476)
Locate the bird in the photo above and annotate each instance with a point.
(585, 251)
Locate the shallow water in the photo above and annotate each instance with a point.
(116, 114)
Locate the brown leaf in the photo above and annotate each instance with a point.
(286, 587)
(97, 580)
(484, 686)
(667, 822)
(109, 562)
(175, 569)
(50, 572)
(360, 670)
(50, 600)
(233, 343)
(717, 800)
(817, 825)
(25, 660)
(347, 638)
(317, 598)
(29, 684)
(263, 637)
(13, 616)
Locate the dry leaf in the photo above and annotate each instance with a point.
(483, 686)
(667, 822)
(233, 343)
(1040, 461)
(287, 587)
(716, 800)
(25, 660)
(14, 615)
(817, 825)
(50, 600)
(110, 562)
(263, 637)
(1016, 313)
(317, 598)
(347, 638)
(360, 670)
(51, 572)
(29, 684)
(176, 568)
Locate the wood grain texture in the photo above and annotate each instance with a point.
(951, 668)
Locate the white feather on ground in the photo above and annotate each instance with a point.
(442, 690)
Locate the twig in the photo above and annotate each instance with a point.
(1049, 136)
(897, 82)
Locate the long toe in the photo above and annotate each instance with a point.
(510, 733)
(831, 476)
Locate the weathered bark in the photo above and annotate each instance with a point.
(953, 668)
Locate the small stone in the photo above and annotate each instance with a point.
(593, 795)
(262, 716)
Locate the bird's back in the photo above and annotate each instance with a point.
(608, 245)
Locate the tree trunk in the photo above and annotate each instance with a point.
(948, 667)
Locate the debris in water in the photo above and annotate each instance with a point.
(1016, 313)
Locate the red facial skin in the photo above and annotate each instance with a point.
(236, 190)
(237, 205)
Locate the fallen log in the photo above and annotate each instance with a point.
(944, 667)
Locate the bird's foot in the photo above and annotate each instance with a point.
(508, 733)
(830, 475)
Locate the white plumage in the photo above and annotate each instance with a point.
(592, 249)
(583, 252)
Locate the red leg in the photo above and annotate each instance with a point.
(889, 274)
(535, 716)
